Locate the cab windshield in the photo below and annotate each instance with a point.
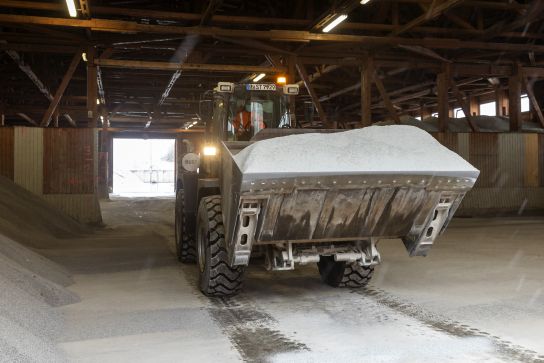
(251, 111)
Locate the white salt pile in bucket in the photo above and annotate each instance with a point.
(374, 149)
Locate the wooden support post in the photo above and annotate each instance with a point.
(534, 101)
(424, 112)
(56, 118)
(366, 94)
(385, 96)
(110, 163)
(304, 75)
(60, 91)
(291, 75)
(474, 106)
(92, 88)
(514, 99)
(464, 104)
(501, 102)
(442, 93)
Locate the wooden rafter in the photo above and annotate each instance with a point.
(27, 118)
(432, 13)
(464, 103)
(60, 91)
(385, 96)
(209, 11)
(534, 101)
(315, 99)
(34, 78)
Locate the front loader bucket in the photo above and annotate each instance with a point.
(267, 208)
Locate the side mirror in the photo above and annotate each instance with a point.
(226, 87)
(290, 89)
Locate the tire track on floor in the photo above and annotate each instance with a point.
(507, 349)
(250, 329)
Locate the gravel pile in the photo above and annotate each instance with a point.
(31, 286)
(28, 219)
(484, 124)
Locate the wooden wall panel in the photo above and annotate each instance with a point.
(6, 152)
(68, 161)
(484, 155)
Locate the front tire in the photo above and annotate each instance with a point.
(217, 277)
(185, 241)
(344, 274)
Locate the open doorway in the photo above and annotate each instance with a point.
(143, 167)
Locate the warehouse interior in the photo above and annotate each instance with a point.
(102, 102)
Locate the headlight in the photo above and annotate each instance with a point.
(209, 151)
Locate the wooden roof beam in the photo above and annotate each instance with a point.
(122, 26)
(170, 66)
(432, 13)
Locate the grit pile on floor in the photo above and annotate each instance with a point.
(375, 149)
(483, 123)
(31, 286)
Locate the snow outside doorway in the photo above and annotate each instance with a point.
(143, 167)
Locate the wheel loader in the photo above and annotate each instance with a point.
(225, 217)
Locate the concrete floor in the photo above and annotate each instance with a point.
(477, 297)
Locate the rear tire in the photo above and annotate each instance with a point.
(344, 274)
(217, 277)
(185, 240)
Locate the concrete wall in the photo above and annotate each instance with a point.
(30, 153)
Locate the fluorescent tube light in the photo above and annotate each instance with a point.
(334, 23)
(71, 8)
(259, 77)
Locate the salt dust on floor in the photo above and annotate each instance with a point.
(154, 312)
(474, 298)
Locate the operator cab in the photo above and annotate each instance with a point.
(241, 111)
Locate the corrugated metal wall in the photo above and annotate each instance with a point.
(70, 157)
(483, 152)
(68, 161)
(28, 158)
(6, 152)
(511, 155)
(511, 171)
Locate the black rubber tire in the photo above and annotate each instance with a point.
(185, 240)
(343, 274)
(217, 277)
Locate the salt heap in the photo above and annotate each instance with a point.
(374, 149)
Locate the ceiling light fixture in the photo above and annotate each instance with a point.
(71, 8)
(259, 77)
(335, 22)
(364, 2)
